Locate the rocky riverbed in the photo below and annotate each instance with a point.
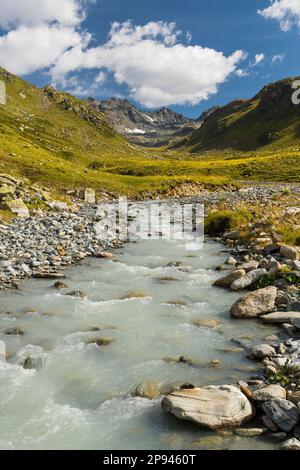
(260, 267)
(268, 403)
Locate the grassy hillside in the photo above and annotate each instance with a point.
(269, 121)
(63, 143)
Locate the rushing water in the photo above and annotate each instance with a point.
(80, 395)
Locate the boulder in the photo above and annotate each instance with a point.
(250, 278)
(289, 252)
(18, 207)
(254, 304)
(249, 266)
(281, 317)
(269, 393)
(226, 281)
(215, 407)
(233, 235)
(262, 351)
(282, 413)
(88, 195)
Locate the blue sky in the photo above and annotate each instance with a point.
(188, 55)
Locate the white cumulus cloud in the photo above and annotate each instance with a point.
(33, 12)
(286, 12)
(154, 61)
(157, 69)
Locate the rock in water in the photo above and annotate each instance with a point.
(291, 444)
(283, 413)
(226, 281)
(281, 317)
(262, 351)
(215, 407)
(255, 303)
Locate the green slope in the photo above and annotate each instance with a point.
(268, 121)
(55, 139)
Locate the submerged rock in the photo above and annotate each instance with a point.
(77, 294)
(215, 407)
(210, 324)
(291, 444)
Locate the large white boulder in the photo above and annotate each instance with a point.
(214, 407)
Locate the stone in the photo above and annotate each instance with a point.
(77, 294)
(281, 317)
(210, 324)
(231, 261)
(46, 275)
(262, 351)
(269, 423)
(296, 265)
(290, 444)
(18, 207)
(214, 407)
(294, 397)
(226, 281)
(88, 195)
(289, 252)
(255, 304)
(58, 205)
(249, 266)
(102, 341)
(233, 235)
(15, 331)
(279, 436)
(269, 392)
(60, 285)
(283, 413)
(105, 255)
(250, 432)
(250, 278)
(150, 390)
(274, 267)
(245, 389)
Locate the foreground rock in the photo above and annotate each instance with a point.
(255, 303)
(282, 413)
(250, 278)
(215, 407)
(269, 393)
(291, 444)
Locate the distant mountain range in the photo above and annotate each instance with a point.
(149, 129)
